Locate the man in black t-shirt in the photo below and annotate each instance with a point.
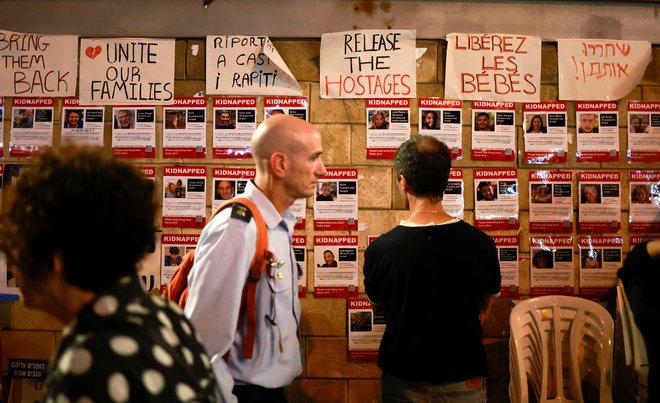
(435, 277)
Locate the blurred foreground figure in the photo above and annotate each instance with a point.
(75, 227)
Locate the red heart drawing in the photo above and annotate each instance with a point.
(93, 52)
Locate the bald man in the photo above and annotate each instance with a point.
(287, 153)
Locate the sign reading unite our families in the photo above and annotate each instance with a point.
(33, 65)
(126, 71)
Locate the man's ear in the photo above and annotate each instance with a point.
(403, 182)
(279, 164)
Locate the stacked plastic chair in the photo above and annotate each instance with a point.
(557, 343)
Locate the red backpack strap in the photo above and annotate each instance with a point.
(260, 262)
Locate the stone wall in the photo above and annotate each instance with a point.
(328, 376)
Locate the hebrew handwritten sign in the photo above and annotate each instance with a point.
(600, 69)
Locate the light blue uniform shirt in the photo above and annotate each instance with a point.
(216, 281)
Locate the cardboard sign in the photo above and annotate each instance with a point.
(336, 200)
(644, 214)
(184, 128)
(643, 131)
(34, 65)
(494, 67)
(246, 65)
(388, 126)
(121, 71)
(298, 242)
(551, 201)
(174, 247)
(600, 202)
(441, 118)
(546, 133)
(507, 252)
(597, 131)
(184, 197)
(496, 199)
(368, 64)
(600, 69)
(366, 326)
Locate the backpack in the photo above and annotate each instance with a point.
(177, 289)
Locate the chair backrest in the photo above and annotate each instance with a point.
(633, 342)
(556, 343)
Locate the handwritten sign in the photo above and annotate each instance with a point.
(33, 65)
(368, 64)
(126, 71)
(247, 65)
(493, 67)
(600, 69)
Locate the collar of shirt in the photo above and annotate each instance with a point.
(268, 211)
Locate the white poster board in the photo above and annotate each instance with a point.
(372, 63)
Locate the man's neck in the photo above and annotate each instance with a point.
(277, 196)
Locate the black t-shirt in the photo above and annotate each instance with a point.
(431, 282)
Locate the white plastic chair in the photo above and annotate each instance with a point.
(556, 343)
(633, 342)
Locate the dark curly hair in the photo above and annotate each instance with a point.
(425, 163)
(95, 211)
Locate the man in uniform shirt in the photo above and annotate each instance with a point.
(287, 153)
(435, 277)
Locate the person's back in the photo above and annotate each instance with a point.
(433, 331)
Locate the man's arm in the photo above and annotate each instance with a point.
(216, 284)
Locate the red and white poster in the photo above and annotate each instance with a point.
(551, 265)
(299, 211)
(336, 200)
(644, 214)
(551, 201)
(643, 131)
(174, 247)
(546, 132)
(600, 202)
(496, 199)
(366, 326)
(636, 240)
(600, 258)
(388, 125)
(32, 126)
(597, 131)
(453, 200)
(134, 132)
(2, 126)
(234, 121)
(294, 106)
(184, 128)
(148, 172)
(299, 242)
(493, 131)
(508, 247)
(229, 182)
(335, 266)
(442, 119)
(184, 197)
(82, 125)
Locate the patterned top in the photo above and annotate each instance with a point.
(127, 346)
